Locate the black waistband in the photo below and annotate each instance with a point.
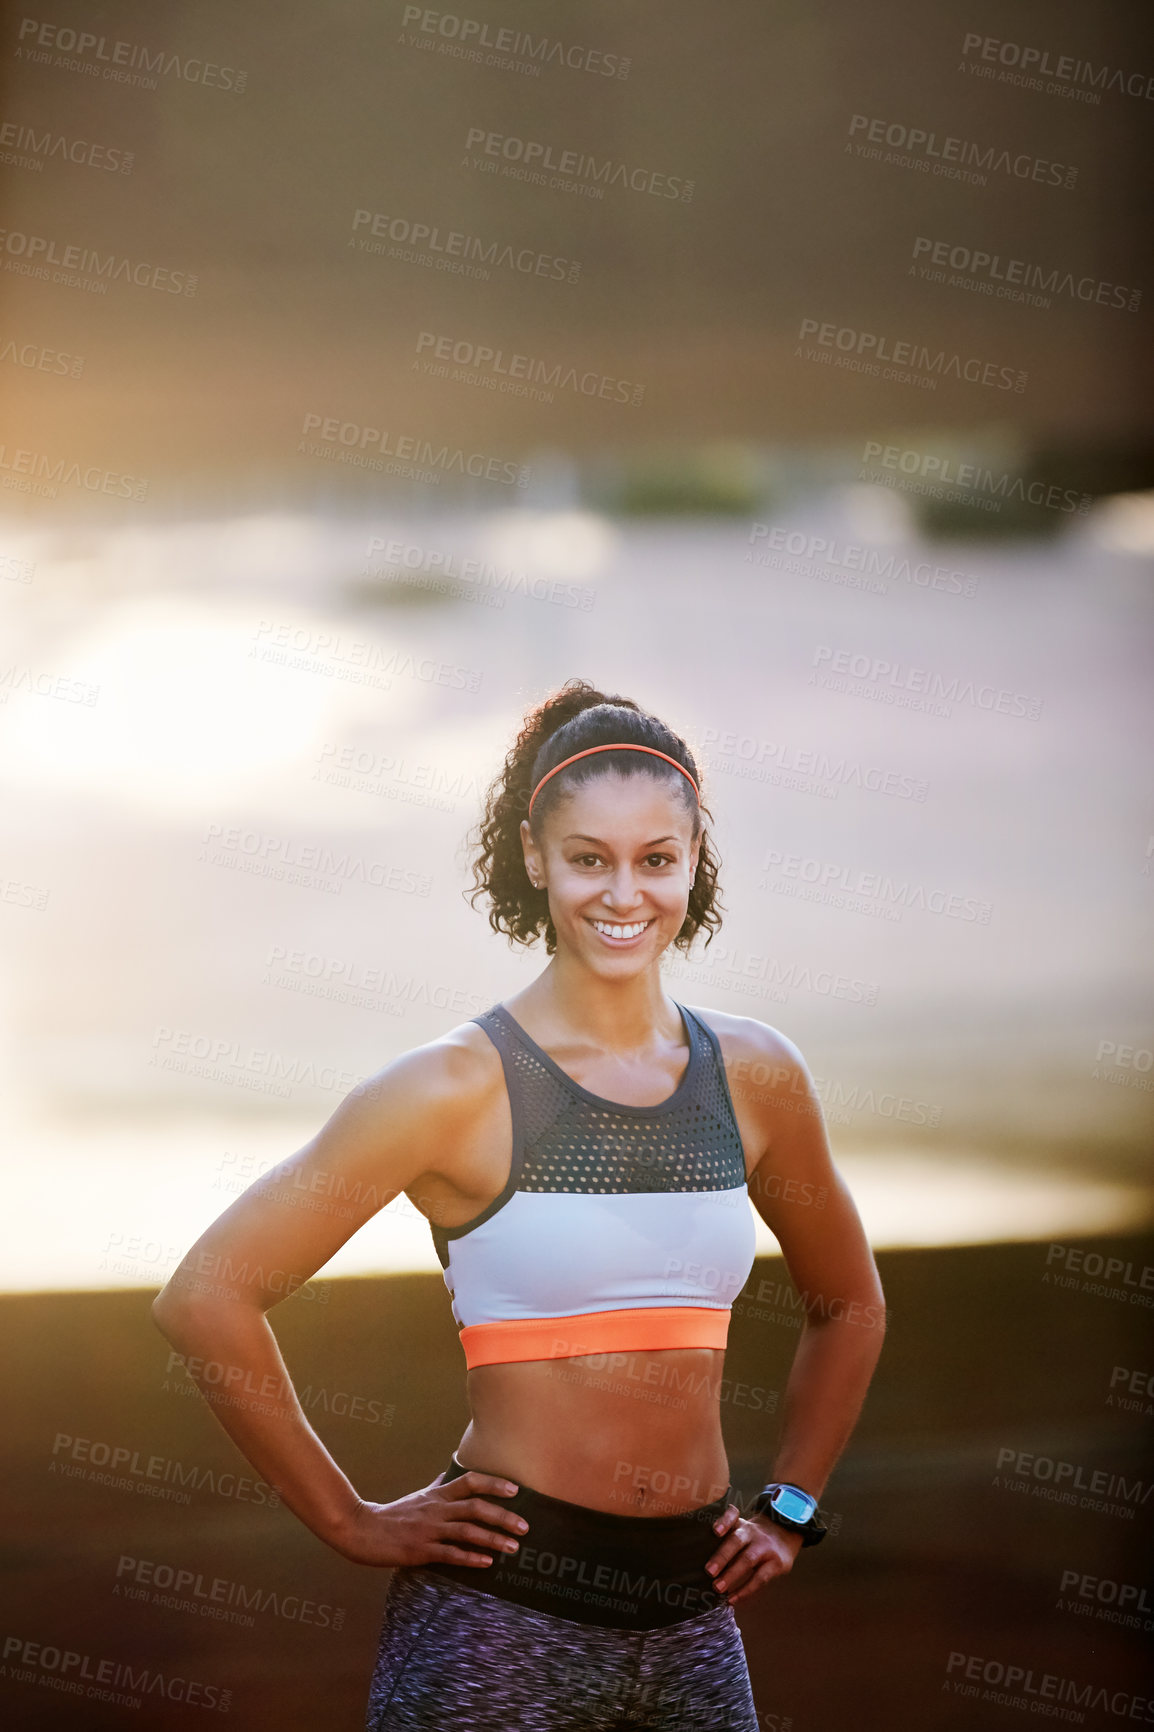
(620, 1571)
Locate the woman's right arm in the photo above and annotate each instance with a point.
(382, 1137)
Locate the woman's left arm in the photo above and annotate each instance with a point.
(802, 1198)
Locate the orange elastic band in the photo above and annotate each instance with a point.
(621, 746)
(643, 1327)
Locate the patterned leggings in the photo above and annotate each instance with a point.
(457, 1659)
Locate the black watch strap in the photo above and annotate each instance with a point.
(812, 1531)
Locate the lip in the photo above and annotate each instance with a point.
(622, 943)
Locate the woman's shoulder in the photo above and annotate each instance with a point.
(748, 1045)
(775, 1097)
(452, 1076)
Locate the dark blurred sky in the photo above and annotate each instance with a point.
(700, 301)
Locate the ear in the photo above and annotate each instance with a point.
(532, 856)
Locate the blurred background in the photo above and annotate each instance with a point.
(368, 373)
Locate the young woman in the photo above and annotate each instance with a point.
(587, 1172)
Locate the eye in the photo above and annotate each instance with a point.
(583, 859)
(659, 859)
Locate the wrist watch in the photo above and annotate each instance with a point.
(791, 1507)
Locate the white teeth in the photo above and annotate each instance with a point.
(621, 931)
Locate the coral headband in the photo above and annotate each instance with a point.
(621, 746)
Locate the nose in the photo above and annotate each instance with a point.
(622, 892)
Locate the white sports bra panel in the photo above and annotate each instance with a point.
(550, 1255)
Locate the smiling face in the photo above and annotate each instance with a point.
(618, 860)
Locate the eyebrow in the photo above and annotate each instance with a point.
(578, 837)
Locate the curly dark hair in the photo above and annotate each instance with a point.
(573, 717)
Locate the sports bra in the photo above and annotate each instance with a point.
(619, 1228)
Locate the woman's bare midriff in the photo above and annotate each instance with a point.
(629, 1433)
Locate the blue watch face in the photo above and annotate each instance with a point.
(796, 1506)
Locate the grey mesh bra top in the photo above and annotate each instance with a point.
(619, 1227)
